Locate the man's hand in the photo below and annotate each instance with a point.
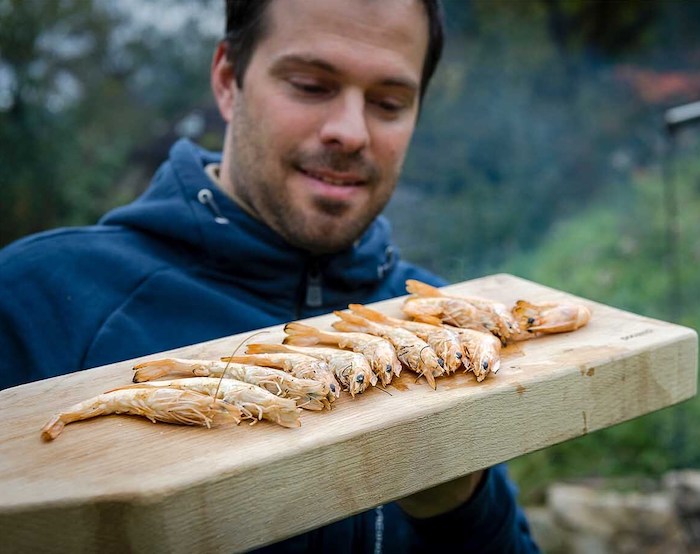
(443, 498)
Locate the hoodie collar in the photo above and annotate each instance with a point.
(184, 206)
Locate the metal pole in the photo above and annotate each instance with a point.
(672, 228)
(675, 119)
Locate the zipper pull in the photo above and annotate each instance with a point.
(314, 286)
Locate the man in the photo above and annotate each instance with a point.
(321, 99)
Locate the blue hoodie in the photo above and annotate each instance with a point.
(184, 264)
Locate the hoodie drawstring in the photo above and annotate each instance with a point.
(206, 197)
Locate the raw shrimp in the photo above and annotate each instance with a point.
(379, 352)
(549, 317)
(299, 365)
(443, 341)
(253, 402)
(461, 311)
(352, 369)
(413, 352)
(167, 405)
(482, 349)
(308, 394)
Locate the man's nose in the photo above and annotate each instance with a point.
(345, 127)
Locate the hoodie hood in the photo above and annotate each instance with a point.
(184, 207)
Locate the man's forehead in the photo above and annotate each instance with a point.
(393, 13)
(395, 29)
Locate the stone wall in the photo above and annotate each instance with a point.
(607, 517)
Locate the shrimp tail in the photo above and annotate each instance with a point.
(421, 289)
(368, 313)
(250, 360)
(302, 335)
(350, 322)
(261, 348)
(167, 367)
(429, 319)
(149, 371)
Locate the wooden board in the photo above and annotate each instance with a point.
(121, 483)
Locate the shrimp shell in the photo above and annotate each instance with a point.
(352, 369)
(166, 405)
(308, 393)
(413, 352)
(443, 341)
(253, 402)
(549, 317)
(175, 367)
(299, 365)
(482, 351)
(379, 352)
(460, 311)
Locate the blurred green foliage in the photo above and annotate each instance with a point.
(616, 252)
(78, 81)
(535, 112)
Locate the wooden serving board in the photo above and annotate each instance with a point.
(121, 483)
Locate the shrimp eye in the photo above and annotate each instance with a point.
(388, 368)
(530, 320)
(332, 387)
(458, 355)
(441, 362)
(485, 364)
(360, 379)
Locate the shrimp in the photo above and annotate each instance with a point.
(549, 317)
(299, 365)
(167, 405)
(443, 341)
(352, 369)
(252, 401)
(483, 351)
(379, 352)
(413, 352)
(308, 393)
(461, 311)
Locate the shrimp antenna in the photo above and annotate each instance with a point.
(440, 360)
(228, 363)
(421, 353)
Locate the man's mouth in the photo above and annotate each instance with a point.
(334, 178)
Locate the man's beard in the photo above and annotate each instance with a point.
(323, 224)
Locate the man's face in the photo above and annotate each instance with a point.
(318, 133)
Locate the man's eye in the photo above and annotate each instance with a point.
(390, 106)
(309, 87)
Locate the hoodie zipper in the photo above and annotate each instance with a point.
(312, 295)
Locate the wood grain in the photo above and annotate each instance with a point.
(121, 483)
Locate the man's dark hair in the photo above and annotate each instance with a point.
(246, 25)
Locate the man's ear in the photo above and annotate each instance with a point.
(223, 81)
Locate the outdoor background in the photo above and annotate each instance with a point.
(541, 151)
